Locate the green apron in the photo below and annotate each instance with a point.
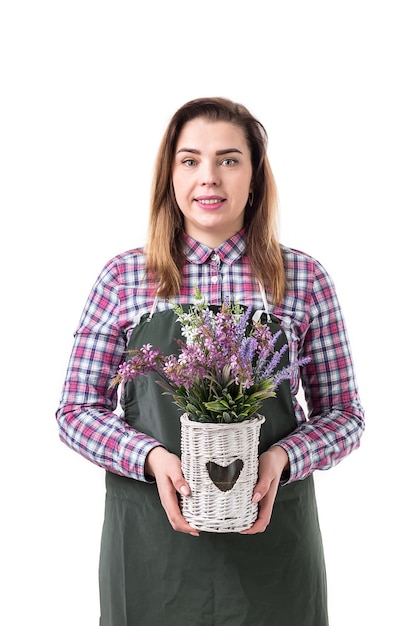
(151, 575)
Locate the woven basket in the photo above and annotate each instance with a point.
(220, 463)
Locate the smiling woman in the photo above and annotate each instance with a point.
(212, 175)
(212, 226)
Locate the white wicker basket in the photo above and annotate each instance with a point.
(220, 463)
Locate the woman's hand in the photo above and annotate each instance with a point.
(165, 467)
(271, 465)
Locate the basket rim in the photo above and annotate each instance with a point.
(254, 420)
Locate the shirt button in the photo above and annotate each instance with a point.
(214, 279)
(215, 257)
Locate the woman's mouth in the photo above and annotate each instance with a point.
(209, 202)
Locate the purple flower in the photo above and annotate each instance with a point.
(224, 369)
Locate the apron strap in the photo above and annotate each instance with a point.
(257, 315)
(153, 309)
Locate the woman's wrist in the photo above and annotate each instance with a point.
(151, 460)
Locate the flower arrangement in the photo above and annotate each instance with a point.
(226, 366)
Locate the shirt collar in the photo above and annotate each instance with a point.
(228, 252)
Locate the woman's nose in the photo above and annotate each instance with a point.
(209, 175)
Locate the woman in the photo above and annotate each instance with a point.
(212, 225)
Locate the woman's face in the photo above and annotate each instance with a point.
(211, 175)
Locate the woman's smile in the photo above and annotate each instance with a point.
(210, 203)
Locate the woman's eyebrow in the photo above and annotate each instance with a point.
(218, 152)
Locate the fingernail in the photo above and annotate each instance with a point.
(184, 490)
(256, 497)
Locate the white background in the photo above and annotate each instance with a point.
(87, 89)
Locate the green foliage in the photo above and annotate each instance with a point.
(210, 401)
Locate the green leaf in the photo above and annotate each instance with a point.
(217, 405)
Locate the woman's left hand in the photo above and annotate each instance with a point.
(271, 465)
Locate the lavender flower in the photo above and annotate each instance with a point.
(226, 365)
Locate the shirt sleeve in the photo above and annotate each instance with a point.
(335, 416)
(86, 415)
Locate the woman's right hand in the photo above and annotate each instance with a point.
(165, 467)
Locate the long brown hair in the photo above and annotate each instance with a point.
(166, 225)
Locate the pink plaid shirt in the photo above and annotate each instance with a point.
(89, 418)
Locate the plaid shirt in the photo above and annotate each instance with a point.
(88, 416)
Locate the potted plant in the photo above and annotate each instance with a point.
(226, 366)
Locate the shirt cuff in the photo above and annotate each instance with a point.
(299, 465)
(133, 450)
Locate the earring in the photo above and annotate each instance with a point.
(250, 198)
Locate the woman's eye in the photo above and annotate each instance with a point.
(189, 162)
(229, 161)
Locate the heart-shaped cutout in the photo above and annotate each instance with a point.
(224, 477)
